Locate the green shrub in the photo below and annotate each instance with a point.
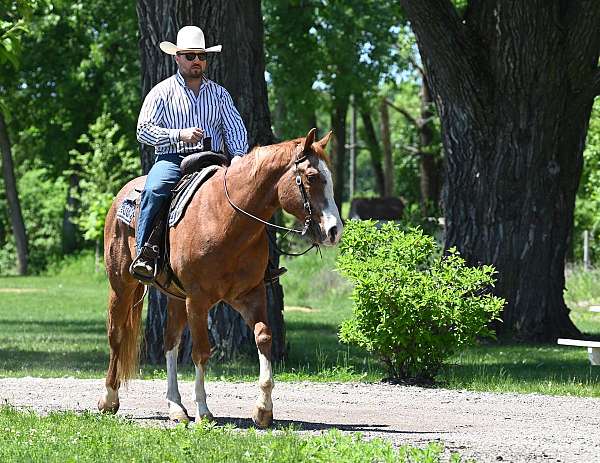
(42, 201)
(413, 307)
(103, 165)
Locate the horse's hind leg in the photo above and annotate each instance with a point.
(176, 320)
(122, 326)
(253, 307)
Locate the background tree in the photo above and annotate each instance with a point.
(514, 84)
(104, 159)
(52, 102)
(339, 47)
(13, 24)
(587, 206)
(292, 62)
(237, 25)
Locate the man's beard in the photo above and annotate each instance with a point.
(194, 73)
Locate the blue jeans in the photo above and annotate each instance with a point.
(161, 180)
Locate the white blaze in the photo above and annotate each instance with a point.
(331, 216)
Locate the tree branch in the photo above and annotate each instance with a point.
(412, 150)
(404, 112)
(417, 66)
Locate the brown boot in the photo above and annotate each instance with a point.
(144, 266)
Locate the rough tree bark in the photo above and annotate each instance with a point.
(237, 25)
(14, 206)
(514, 84)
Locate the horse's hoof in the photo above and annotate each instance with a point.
(110, 408)
(262, 418)
(178, 413)
(179, 416)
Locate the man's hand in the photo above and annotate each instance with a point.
(192, 135)
(235, 159)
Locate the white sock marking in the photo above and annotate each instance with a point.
(265, 383)
(173, 394)
(200, 394)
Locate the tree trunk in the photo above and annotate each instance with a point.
(386, 141)
(338, 124)
(428, 163)
(237, 25)
(374, 150)
(514, 84)
(14, 206)
(70, 237)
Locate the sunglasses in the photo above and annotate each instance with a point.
(192, 56)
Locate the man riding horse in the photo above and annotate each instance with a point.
(177, 118)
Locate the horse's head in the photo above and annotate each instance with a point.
(306, 191)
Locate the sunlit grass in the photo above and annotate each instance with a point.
(91, 437)
(54, 325)
(545, 369)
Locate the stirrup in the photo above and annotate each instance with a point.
(148, 254)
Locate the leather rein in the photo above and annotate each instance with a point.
(308, 220)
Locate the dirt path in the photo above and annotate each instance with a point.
(485, 426)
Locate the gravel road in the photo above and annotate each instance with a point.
(485, 426)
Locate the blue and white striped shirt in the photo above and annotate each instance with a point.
(171, 106)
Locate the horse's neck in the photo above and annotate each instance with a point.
(252, 184)
(255, 180)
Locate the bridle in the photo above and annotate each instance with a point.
(308, 219)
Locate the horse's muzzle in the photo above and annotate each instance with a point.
(326, 235)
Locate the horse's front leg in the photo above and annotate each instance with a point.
(197, 314)
(175, 324)
(253, 307)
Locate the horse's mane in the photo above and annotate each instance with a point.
(285, 150)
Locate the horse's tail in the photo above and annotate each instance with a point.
(129, 345)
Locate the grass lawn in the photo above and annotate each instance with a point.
(55, 326)
(92, 437)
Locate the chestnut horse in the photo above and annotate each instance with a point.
(219, 254)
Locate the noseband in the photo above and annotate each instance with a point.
(308, 219)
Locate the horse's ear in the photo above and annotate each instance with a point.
(323, 141)
(310, 138)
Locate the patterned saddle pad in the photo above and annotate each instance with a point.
(182, 194)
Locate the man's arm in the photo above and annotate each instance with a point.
(149, 130)
(234, 131)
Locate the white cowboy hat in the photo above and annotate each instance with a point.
(188, 38)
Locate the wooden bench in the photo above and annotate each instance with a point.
(592, 346)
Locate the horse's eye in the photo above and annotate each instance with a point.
(312, 178)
